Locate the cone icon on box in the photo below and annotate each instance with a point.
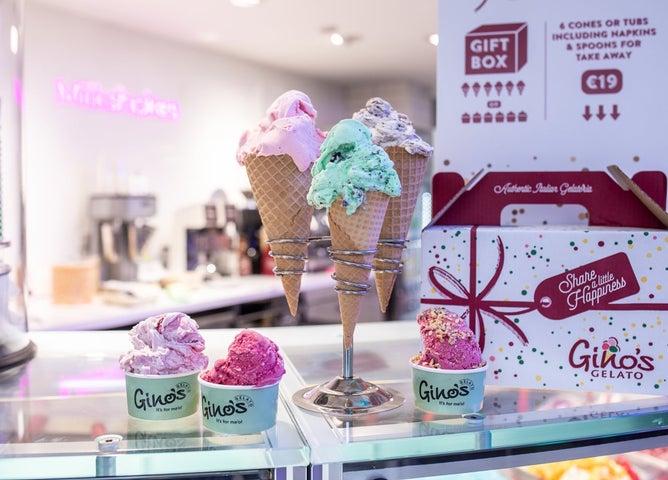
(280, 190)
(354, 241)
(387, 262)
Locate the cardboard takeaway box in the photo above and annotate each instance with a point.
(573, 307)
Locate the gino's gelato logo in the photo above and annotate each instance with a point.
(144, 400)
(238, 405)
(608, 361)
(436, 393)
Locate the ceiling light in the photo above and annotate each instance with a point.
(14, 39)
(433, 39)
(245, 3)
(337, 39)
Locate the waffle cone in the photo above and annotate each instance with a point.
(410, 169)
(280, 189)
(355, 232)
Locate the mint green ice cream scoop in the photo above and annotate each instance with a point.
(349, 166)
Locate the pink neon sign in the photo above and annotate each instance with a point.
(91, 95)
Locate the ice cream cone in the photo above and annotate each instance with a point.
(356, 232)
(387, 261)
(280, 189)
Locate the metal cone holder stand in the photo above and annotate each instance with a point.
(395, 265)
(280, 272)
(348, 394)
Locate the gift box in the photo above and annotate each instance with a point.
(554, 306)
(494, 49)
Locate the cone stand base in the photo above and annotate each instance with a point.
(344, 396)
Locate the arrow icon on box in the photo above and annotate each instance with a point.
(587, 114)
(601, 112)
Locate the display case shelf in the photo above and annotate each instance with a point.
(55, 411)
(59, 411)
(515, 427)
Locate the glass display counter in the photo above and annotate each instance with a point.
(63, 415)
(516, 427)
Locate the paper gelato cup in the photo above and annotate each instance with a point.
(162, 397)
(238, 409)
(448, 392)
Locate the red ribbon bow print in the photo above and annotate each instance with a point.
(477, 305)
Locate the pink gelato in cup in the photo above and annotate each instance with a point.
(449, 373)
(448, 341)
(252, 360)
(240, 391)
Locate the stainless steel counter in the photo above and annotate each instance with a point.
(54, 409)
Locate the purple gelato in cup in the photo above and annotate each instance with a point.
(161, 369)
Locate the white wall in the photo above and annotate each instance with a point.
(183, 161)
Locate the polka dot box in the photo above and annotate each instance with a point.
(554, 306)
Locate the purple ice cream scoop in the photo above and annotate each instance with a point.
(165, 344)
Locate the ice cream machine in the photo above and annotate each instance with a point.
(120, 232)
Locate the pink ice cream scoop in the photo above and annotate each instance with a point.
(448, 342)
(252, 359)
(288, 128)
(165, 344)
